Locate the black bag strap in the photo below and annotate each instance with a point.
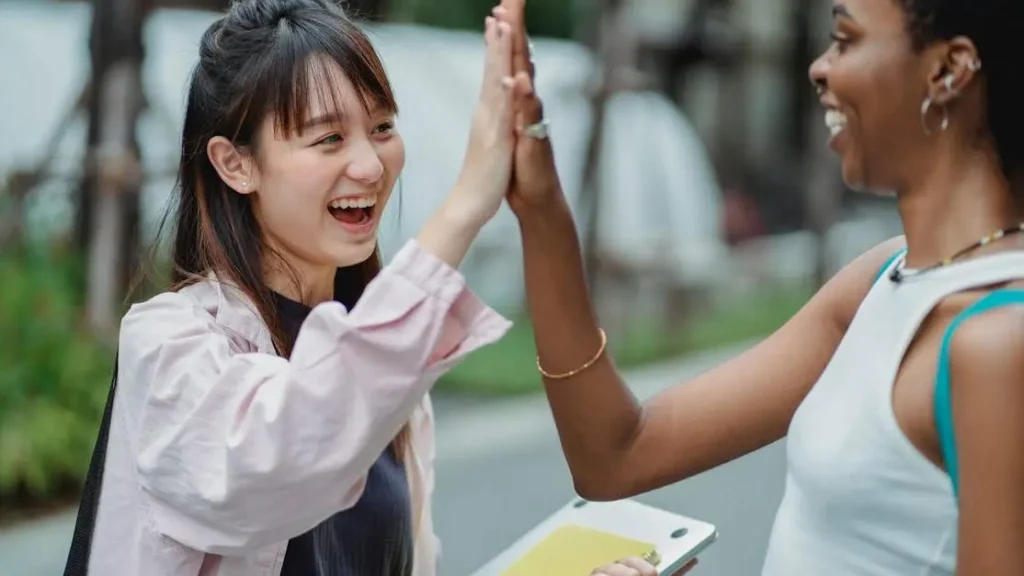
(81, 541)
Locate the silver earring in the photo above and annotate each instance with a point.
(974, 65)
(245, 185)
(925, 107)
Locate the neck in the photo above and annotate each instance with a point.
(306, 284)
(953, 207)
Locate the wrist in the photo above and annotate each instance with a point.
(462, 214)
(539, 209)
(450, 231)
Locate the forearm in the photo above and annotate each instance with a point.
(451, 230)
(596, 414)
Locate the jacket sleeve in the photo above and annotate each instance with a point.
(238, 450)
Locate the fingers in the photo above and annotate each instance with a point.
(641, 567)
(627, 567)
(530, 109)
(512, 11)
(498, 56)
(506, 39)
(498, 84)
(490, 50)
(686, 569)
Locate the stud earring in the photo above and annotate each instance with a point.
(974, 65)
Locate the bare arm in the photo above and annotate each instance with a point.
(609, 439)
(987, 378)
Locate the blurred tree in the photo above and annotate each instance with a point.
(107, 225)
(369, 10)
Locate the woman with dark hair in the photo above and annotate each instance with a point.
(900, 384)
(271, 414)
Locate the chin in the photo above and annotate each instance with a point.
(353, 253)
(854, 177)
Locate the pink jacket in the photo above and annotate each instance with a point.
(220, 451)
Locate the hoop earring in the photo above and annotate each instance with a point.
(925, 107)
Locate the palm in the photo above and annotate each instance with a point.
(534, 177)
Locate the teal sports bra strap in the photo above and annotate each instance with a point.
(889, 262)
(943, 400)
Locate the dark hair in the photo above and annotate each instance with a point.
(995, 28)
(262, 58)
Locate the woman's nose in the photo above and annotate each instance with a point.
(818, 72)
(364, 163)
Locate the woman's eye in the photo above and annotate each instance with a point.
(332, 139)
(385, 127)
(840, 41)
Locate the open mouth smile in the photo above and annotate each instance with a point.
(356, 211)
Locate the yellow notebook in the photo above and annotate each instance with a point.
(576, 551)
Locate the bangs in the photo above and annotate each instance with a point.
(302, 72)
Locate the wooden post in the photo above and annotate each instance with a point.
(110, 199)
(616, 50)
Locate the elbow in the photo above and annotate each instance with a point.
(221, 530)
(600, 487)
(231, 519)
(202, 527)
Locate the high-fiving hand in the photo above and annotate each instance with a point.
(535, 180)
(487, 168)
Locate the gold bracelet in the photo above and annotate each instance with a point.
(588, 364)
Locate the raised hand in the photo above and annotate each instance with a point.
(534, 177)
(487, 168)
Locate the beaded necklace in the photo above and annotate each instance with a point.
(898, 273)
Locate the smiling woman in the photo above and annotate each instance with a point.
(899, 384)
(271, 411)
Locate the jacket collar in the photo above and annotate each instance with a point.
(237, 313)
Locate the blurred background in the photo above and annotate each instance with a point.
(691, 147)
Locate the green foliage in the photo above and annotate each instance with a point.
(508, 367)
(53, 381)
(544, 18)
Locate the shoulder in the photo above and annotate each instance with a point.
(169, 306)
(988, 349)
(171, 317)
(843, 294)
(865, 268)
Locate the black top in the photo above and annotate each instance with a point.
(374, 537)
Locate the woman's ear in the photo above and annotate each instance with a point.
(235, 168)
(959, 67)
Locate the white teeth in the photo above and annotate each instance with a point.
(345, 203)
(835, 120)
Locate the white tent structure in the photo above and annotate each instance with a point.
(659, 197)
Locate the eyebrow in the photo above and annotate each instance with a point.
(322, 120)
(840, 11)
(334, 118)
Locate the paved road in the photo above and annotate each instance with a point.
(500, 471)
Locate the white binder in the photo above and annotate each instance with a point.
(585, 535)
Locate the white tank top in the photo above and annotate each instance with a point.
(860, 499)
